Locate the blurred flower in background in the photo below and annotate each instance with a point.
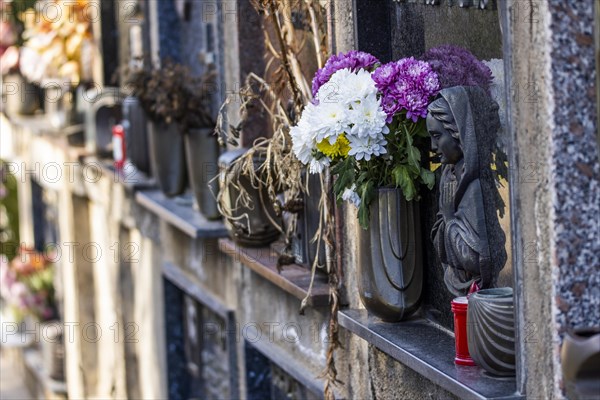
(57, 46)
(26, 285)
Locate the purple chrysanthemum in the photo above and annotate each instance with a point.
(407, 84)
(456, 66)
(353, 60)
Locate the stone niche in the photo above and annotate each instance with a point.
(201, 350)
(416, 27)
(267, 380)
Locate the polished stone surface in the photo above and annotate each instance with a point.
(130, 177)
(182, 216)
(295, 370)
(169, 31)
(216, 368)
(178, 379)
(258, 373)
(575, 165)
(417, 27)
(428, 350)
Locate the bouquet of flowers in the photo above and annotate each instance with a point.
(26, 284)
(364, 123)
(58, 48)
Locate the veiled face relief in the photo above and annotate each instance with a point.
(442, 142)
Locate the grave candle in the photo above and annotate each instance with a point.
(459, 308)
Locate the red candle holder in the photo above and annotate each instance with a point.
(459, 308)
(118, 140)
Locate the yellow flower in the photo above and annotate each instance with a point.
(339, 149)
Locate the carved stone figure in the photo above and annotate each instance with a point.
(463, 122)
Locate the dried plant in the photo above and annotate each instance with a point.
(282, 97)
(283, 93)
(173, 94)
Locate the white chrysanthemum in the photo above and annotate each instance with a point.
(368, 118)
(357, 86)
(318, 166)
(346, 87)
(329, 121)
(366, 147)
(331, 92)
(302, 136)
(351, 196)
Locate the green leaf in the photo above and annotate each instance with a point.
(401, 175)
(428, 178)
(346, 177)
(405, 182)
(409, 190)
(367, 194)
(414, 155)
(414, 171)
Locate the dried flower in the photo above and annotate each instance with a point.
(173, 94)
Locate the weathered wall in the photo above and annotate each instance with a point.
(555, 225)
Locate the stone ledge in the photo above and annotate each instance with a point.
(429, 350)
(293, 278)
(130, 177)
(291, 366)
(44, 385)
(181, 279)
(41, 124)
(183, 217)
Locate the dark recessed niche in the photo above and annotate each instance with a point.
(201, 340)
(266, 380)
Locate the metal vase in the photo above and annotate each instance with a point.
(491, 330)
(253, 226)
(202, 156)
(307, 224)
(21, 97)
(580, 358)
(103, 111)
(390, 270)
(61, 103)
(136, 134)
(167, 157)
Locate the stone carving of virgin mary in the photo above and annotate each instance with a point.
(463, 122)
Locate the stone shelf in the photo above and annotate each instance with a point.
(292, 367)
(182, 216)
(184, 282)
(38, 380)
(130, 177)
(180, 278)
(293, 278)
(41, 123)
(429, 350)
